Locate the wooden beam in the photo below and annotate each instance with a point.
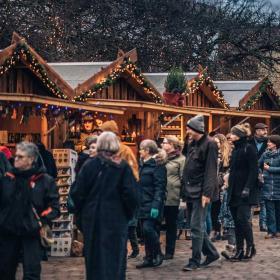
(18, 97)
(125, 104)
(210, 123)
(188, 110)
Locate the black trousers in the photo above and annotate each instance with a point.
(11, 248)
(151, 238)
(132, 236)
(215, 211)
(243, 227)
(170, 215)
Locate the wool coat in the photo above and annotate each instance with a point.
(105, 196)
(243, 174)
(271, 177)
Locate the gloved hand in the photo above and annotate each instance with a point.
(154, 213)
(245, 193)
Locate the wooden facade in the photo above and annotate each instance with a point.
(134, 102)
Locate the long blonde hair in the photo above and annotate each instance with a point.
(225, 149)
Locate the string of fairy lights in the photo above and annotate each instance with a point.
(203, 77)
(266, 86)
(126, 66)
(23, 53)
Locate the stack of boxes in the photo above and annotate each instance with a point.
(62, 228)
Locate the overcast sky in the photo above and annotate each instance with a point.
(276, 2)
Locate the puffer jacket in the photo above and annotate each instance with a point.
(174, 166)
(152, 185)
(271, 177)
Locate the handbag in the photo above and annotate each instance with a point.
(46, 237)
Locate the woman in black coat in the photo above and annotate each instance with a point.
(242, 191)
(25, 190)
(153, 180)
(105, 196)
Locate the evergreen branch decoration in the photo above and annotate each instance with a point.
(266, 86)
(202, 78)
(22, 52)
(176, 81)
(111, 78)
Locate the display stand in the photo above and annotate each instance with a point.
(62, 228)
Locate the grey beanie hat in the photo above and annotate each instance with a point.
(197, 124)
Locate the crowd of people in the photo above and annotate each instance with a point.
(206, 187)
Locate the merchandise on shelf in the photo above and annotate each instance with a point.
(62, 227)
(174, 128)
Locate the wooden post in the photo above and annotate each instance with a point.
(149, 124)
(210, 123)
(183, 128)
(268, 123)
(44, 128)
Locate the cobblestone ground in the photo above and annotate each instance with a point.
(266, 265)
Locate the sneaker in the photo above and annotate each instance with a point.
(209, 260)
(191, 267)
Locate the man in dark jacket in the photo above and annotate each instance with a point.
(28, 199)
(201, 187)
(259, 142)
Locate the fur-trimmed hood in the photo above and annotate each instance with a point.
(160, 157)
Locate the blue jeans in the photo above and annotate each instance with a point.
(273, 216)
(262, 218)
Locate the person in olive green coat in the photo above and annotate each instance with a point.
(174, 166)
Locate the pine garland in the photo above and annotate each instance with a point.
(111, 78)
(22, 52)
(203, 77)
(264, 87)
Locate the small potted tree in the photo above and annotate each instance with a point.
(175, 87)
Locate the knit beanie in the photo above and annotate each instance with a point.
(110, 126)
(241, 130)
(197, 124)
(275, 139)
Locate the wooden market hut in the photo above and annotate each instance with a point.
(257, 104)
(121, 84)
(29, 90)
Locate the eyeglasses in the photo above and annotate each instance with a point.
(20, 157)
(165, 143)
